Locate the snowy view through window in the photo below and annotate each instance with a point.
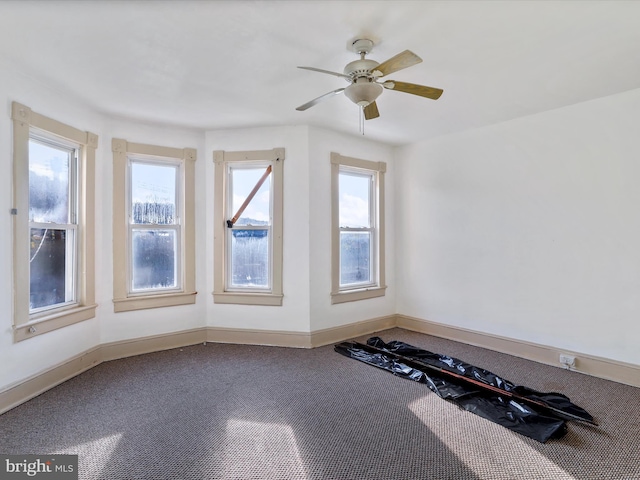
(52, 256)
(154, 230)
(355, 228)
(250, 236)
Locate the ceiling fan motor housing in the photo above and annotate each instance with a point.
(361, 68)
(363, 89)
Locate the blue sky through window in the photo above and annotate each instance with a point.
(354, 199)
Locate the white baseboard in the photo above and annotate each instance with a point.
(20, 392)
(327, 336)
(314, 339)
(154, 343)
(608, 369)
(275, 338)
(31, 387)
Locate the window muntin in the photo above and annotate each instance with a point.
(154, 226)
(53, 227)
(249, 239)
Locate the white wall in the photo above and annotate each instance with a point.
(324, 315)
(293, 315)
(528, 229)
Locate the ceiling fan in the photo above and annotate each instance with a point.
(364, 87)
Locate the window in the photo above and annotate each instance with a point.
(358, 229)
(248, 227)
(53, 223)
(154, 237)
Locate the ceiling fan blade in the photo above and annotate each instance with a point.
(319, 99)
(400, 61)
(313, 69)
(371, 111)
(427, 92)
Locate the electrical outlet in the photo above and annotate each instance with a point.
(567, 360)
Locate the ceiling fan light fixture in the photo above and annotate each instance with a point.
(363, 94)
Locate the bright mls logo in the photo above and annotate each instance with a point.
(50, 467)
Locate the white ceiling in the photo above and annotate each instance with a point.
(227, 64)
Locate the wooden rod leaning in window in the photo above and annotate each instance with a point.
(252, 194)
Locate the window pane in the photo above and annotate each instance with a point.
(153, 193)
(48, 267)
(154, 259)
(354, 207)
(48, 183)
(355, 257)
(258, 212)
(250, 258)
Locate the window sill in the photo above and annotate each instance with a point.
(153, 301)
(355, 295)
(54, 321)
(245, 298)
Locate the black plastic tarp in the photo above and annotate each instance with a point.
(518, 415)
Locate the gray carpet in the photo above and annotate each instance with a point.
(220, 411)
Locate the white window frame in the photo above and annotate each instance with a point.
(377, 287)
(125, 298)
(223, 292)
(28, 124)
